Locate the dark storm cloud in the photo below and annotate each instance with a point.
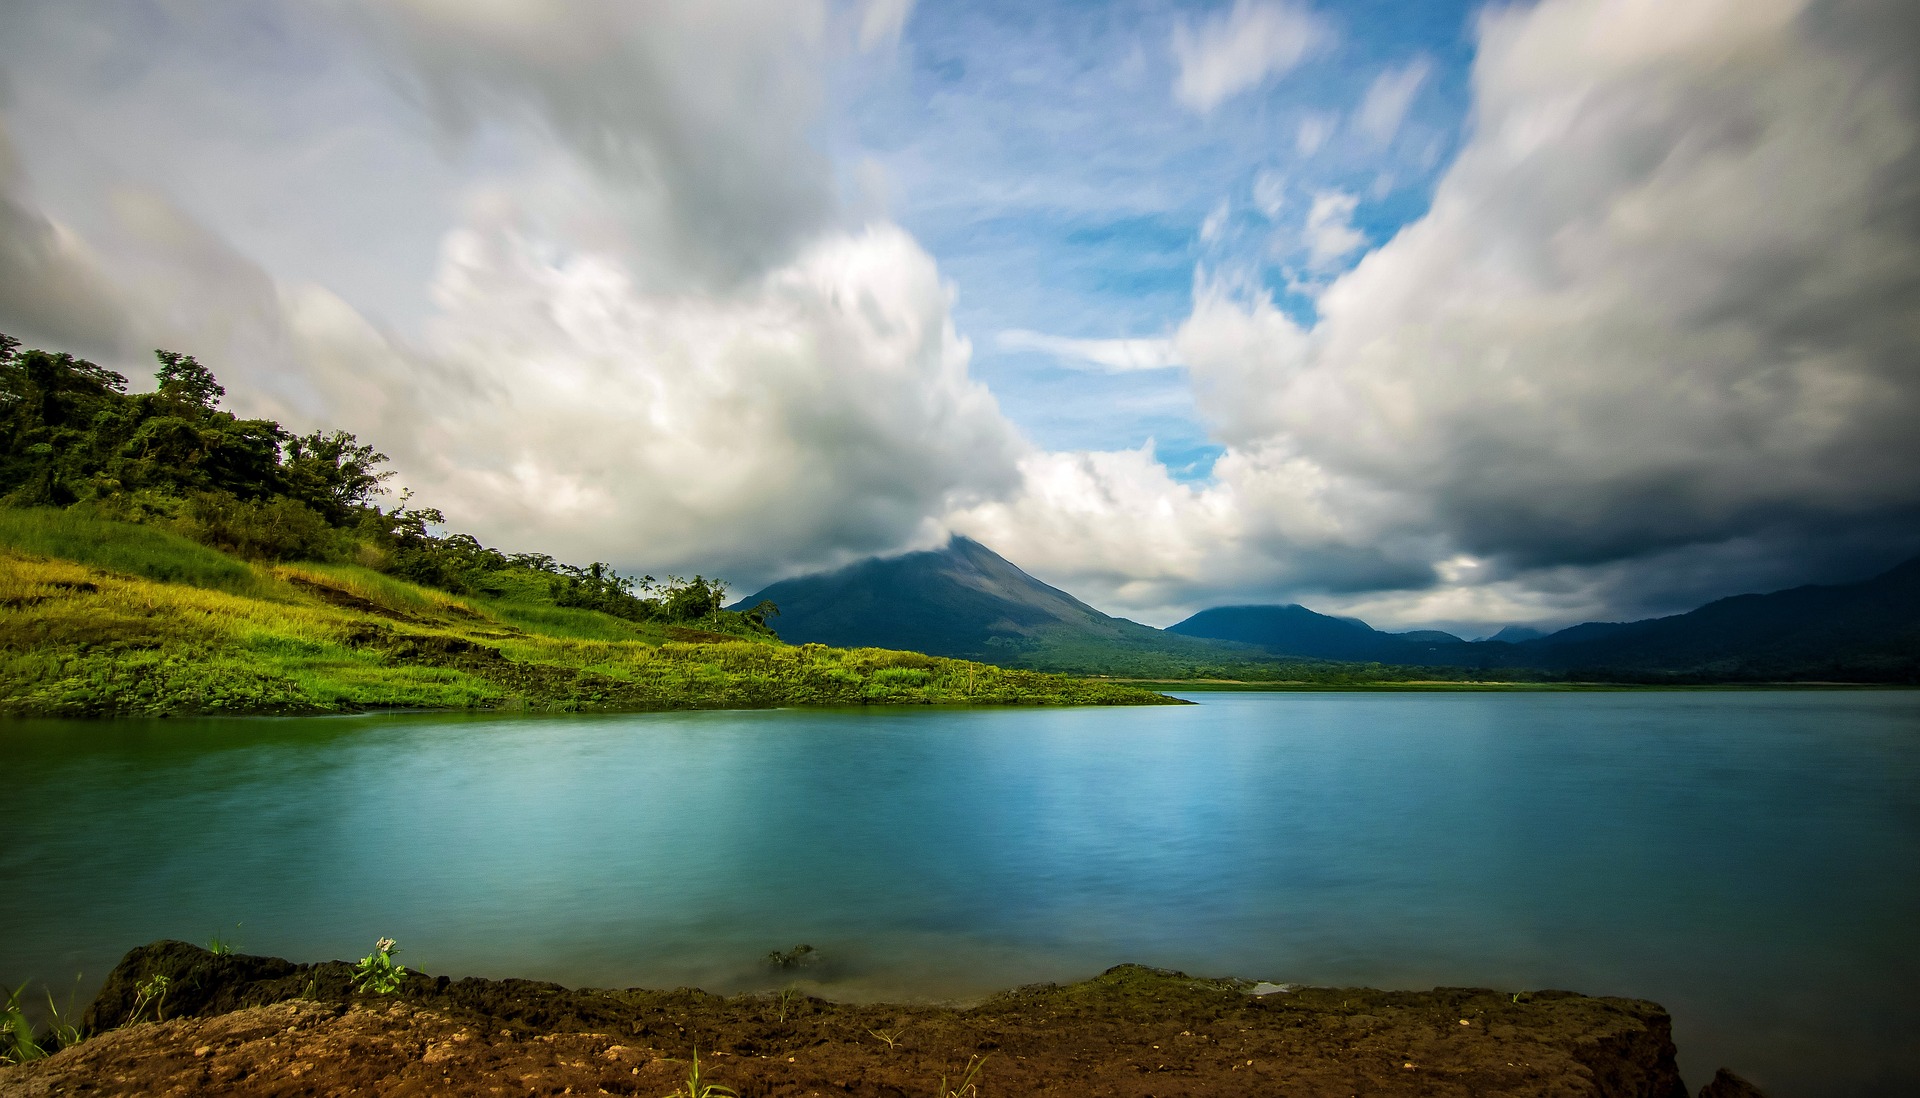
(696, 112)
(51, 290)
(1665, 308)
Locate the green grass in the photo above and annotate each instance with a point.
(136, 550)
(382, 590)
(17, 1040)
(100, 618)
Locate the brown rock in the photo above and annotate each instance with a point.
(1728, 1085)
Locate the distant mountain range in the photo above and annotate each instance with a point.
(1866, 631)
(1294, 630)
(966, 600)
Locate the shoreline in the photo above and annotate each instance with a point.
(1490, 686)
(237, 1024)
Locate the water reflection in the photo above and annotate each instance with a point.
(1742, 857)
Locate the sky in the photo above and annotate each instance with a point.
(1438, 314)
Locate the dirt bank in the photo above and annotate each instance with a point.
(264, 1026)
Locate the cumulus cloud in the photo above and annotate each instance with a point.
(1064, 524)
(1388, 99)
(1330, 235)
(731, 379)
(823, 412)
(1665, 298)
(1115, 528)
(1111, 355)
(1240, 49)
(1655, 336)
(1653, 343)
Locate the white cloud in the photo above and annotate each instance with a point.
(1653, 343)
(1240, 49)
(1313, 133)
(824, 411)
(1270, 194)
(1662, 299)
(664, 388)
(1215, 222)
(1065, 525)
(882, 21)
(1389, 97)
(1109, 355)
(1330, 235)
(1658, 322)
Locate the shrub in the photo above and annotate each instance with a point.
(267, 529)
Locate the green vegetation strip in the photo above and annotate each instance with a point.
(107, 618)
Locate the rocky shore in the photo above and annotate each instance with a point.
(243, 1025)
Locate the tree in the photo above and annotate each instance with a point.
(758, 615)
(691, 600)
(50, 405)
(184, 379)
(333, 472)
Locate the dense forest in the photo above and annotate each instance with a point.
(73, 437)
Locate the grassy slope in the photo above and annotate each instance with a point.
(104, 618)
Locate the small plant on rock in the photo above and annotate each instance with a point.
(62, 1026)
(151, 992)
(969, 1086)
(789, 995)
(223, 947)
(376, 972)
(699, 1088)
(17, 1045)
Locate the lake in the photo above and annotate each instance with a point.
(1747, 859)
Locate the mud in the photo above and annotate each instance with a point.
(264, 1026)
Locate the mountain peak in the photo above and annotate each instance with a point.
(962, 599)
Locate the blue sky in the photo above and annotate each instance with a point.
(1039, 153)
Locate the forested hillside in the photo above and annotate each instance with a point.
(161, 555)
(73, 437)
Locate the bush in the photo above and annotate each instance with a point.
(277, 528)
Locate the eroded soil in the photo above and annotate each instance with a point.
(261, 1026)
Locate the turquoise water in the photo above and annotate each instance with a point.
(1747, 859)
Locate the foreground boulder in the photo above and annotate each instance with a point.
(261, 1025)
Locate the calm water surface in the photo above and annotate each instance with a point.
(1747, 859)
